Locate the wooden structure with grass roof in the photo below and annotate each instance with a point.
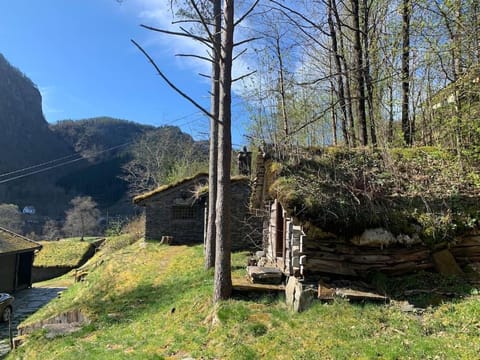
(353, 213)
(178, 211)
(16, 260)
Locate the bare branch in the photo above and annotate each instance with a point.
(244, 76)
(300, 15)
(180, 92)
(202, 20)
(239, 54)
(183, 34)
(195, 56)
(246, 13)
(245, 41)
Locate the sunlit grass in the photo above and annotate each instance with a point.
(148, 301)
(66, 253)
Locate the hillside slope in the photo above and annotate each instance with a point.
(148, 301)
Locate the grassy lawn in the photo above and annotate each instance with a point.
(67, 252)
(148, 301)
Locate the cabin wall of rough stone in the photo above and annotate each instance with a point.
(177, 215)
(164, 217)
(245, 225)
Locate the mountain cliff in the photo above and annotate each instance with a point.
(94, 152)
(25, 135)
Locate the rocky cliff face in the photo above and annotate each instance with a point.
(25, 138)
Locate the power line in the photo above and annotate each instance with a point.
(61, 164)
(37, 165)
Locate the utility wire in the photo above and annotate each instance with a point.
(61, 164)
(38, 165)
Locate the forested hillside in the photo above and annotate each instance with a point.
(45, 166)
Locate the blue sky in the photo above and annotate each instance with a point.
(79, 54)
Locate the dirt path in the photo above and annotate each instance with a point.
(26, 303)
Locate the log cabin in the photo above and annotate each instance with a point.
(354, 213)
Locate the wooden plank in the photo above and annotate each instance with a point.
(243, 285)
(356, 295)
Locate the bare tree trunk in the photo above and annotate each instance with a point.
(367, 74)
(390, 113)
(278, 50)
(339, 74)
(213, 150)
(223, 278)
(406, 128)
(358, 56)
(348, 91)
(457, 69)
(333, 111)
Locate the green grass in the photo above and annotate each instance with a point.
(129, 295)
(68, 253)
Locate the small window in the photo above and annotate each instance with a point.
(182, 212)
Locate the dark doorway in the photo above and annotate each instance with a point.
(24, 277)
(279, 226)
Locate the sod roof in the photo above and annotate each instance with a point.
(426, 190)
(203, 190)
(139, 198)
(11, 242)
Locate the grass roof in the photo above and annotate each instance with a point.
(63, 253)
(413, 190)
(139, 198)
(204, 189)
(11, 242)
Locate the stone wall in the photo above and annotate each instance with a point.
(172, 215)
(246, 227)
(174, 212)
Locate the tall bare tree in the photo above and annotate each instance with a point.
(339, 71)
(223, 278)
(406, 124)
(213, 151)
(359, 72)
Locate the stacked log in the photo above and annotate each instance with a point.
(339, 257)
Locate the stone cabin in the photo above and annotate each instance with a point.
(179, 210)
(16, 260)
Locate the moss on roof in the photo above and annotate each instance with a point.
(200, 191)
(137, 199)
(11, 242)
(67, 253)
(404, 190)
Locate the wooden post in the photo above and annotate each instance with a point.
(10, 332)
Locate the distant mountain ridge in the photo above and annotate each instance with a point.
(101, 144)
(89, 137)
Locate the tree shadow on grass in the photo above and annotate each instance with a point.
(425, 289)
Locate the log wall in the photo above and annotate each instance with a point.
(335, 257)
